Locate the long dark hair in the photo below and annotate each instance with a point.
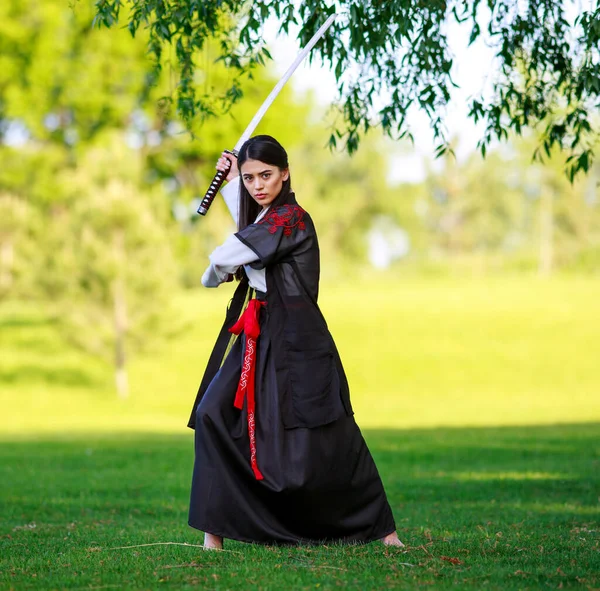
(268, 150)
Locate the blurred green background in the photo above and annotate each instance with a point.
(467, 298)
(418, 353)
(464, 305)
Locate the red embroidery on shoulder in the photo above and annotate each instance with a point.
(288, 217)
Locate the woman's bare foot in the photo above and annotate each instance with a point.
(212, 542)
(392, 540)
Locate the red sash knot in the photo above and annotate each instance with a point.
(249, 325)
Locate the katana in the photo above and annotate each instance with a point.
(217, 181)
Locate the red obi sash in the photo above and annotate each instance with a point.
(248, 323)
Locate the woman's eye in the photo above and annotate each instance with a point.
(266, 175)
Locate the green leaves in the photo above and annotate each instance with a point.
(548, 80)
(107, 14)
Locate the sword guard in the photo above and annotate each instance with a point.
(214, 187)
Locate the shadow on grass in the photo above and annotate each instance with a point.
(502, 499)
(26, 321)
(34, 374)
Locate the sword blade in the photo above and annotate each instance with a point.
(217, 181)
(277, 89)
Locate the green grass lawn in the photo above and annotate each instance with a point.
(494, 508)
(480, 400)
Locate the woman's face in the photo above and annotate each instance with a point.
(263, 181)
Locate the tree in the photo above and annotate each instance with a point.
(388, 56)
(63, 80)
(506, 209)
(343, 194)
(18, 225)
(31, 200)
(62, 84)
(474, 207)
(113, 271)
(565, 214)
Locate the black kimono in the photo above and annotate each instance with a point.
(299, 470)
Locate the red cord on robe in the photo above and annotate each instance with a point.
(248, 323)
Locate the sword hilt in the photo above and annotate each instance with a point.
(214, 187)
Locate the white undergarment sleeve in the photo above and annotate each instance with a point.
(227, 258)
(231, 193)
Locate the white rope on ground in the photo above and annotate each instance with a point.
(173, 544)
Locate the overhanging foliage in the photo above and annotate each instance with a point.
(391, 56)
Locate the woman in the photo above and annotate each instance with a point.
(279, 458)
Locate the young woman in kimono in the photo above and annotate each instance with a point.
(279, 457)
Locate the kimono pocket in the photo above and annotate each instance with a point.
(314, 387)
(310, 373)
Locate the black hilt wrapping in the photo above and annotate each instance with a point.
(213, 189)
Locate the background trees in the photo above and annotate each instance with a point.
(99, 182)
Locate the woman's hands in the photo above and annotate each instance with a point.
(222, 164)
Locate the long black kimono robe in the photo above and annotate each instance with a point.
(320, 482)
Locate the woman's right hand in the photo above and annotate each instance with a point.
(222, 164)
